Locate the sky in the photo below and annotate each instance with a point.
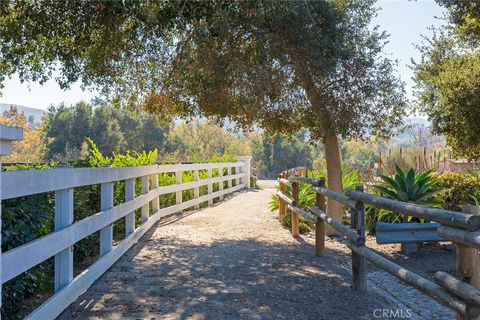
(404, 20)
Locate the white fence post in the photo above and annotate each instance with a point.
(237, 170)
(229, 173)
(154, 186)
(196, 190)
(146, 207)
(178, 194)
(106, 202)
(63, 218)
(7, 136)
(220, 184)
(210, 186)
(245, 169)
(129, 195)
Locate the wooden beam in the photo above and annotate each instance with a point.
(63, 219)
(449, 218)
(359, 263)
(320, 225)
(430, 288)
(295, 217)
(468, 262)
(129, 196)
(106, 203)
(145, 207)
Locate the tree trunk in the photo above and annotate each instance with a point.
(332, 149)
(334, 176)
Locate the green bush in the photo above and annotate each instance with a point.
(25, 219)
(458, 189)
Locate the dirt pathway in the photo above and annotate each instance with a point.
(231, 261)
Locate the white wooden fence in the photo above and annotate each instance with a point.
(60, 243)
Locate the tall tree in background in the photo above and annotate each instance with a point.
(279, 152)
(65, 129)
(279, 65)
(448, 78)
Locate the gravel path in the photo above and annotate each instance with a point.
(230, 261)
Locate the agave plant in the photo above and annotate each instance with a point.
(410, 187)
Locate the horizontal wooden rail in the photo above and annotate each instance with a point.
(450, 218)
(303, 213)
(28, 182)
(458, 287)
(430, 288)
(354, 204)
(468, 238)
(168, 168)
(284, 182)
(346, 231)
(302, 180)
(195, 184)
(22, 258)
(286, 199)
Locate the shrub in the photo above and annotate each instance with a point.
(25, 219)
(458, 189)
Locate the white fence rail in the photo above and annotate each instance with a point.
(60, 243)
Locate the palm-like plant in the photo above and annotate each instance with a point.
(410, 187)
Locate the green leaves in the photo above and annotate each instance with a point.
(410, 187)
(448, 78)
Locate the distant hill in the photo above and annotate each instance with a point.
(35, 113)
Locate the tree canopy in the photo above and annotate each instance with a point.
(278, 65)
(254, 62)
(448, 78)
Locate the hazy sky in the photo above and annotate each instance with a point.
(404, 20)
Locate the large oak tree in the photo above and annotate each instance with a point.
(279, 65)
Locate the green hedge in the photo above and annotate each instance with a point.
(458, 189)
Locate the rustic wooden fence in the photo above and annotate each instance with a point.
(67, 232)
(463, 228)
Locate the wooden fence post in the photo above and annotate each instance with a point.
(320, 223)
(220, 184)
(146, 207)
(281, 203)
(106, 202)
(129, 195)
(63, 218)
(359, 263)
(196, 190)
(210, 186)
(237, 180)
(295, 218)
(154, 186)
(229, 173)
(468, 261)
(178, 194)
